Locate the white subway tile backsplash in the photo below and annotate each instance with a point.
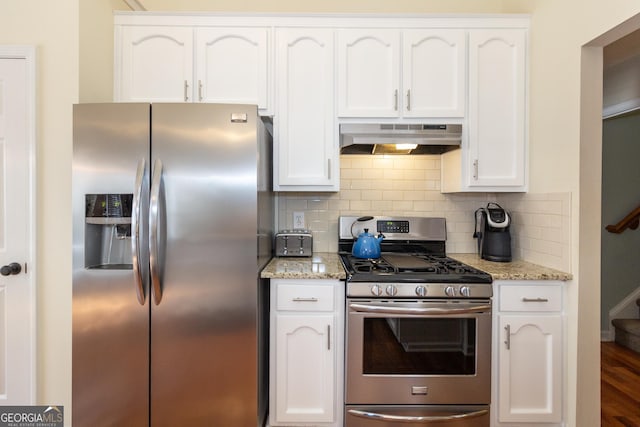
(410, 186)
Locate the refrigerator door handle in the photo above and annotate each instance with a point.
(154, 224)
(135, 231)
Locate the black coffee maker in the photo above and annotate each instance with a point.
(492, 232)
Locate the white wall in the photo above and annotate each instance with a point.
(53, 28)
(565, 155)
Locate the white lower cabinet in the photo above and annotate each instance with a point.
(306, 353)
(528, 356)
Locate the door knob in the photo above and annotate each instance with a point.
(13, 268)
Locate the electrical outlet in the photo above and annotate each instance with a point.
(298, 220)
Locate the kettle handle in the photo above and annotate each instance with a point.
(361, 219)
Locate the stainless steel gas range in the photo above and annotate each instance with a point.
(418, 329)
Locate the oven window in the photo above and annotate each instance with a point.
(424, 346)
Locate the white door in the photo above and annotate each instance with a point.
(306, 147)
(497, 90)
(530, 387)
(155, 65)
(369, 73)
(434, 71)
(232, 66)
(305, 368)
(17, 284)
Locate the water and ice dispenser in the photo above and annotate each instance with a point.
(108, 231)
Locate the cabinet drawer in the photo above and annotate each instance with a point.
(530, 298)
(294, 297)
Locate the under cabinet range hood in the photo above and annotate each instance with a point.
(375, 138)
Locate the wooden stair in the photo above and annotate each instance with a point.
(627, 331)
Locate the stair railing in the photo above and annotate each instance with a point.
(632, 221)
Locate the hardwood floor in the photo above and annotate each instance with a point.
(620, 386)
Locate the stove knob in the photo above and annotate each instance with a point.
(465, 291)
(391, 290)
(450, 291)
(421, 291)
(376, 290)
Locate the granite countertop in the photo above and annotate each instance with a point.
(515, 270)
(322, 265)
(327, 265)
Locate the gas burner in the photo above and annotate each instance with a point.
(412, 268)
(370, 265)
(413, 262)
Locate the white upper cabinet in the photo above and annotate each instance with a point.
(155, 64)
(494, 156)
(305, 142)
(433, 70)
(391, 73)
(313, 72)
(232, 65)
(368, 73)
(193, 64)
(497, 107)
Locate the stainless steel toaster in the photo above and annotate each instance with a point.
(294, 243)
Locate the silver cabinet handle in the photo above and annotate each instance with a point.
(200, 90)
(135, 230)
(302, 299)
(328, 337)
(507, 342)
(328, 168)
(395, 100)
(186, 91)
(416, 419)
(408, 99)
(475, 169)
(154, 225)
(366, 308)
(525, 299)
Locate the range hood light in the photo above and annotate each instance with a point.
(406, 146)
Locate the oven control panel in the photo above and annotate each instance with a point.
(393, 226)
(419, 290)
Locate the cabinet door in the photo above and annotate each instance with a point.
(155, 64)
(306, 142)
(232, 66)
(530, 368)
(497, 108)
(434, 72)
(369, 73)
(305, 371)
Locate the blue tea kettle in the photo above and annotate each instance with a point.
(367, 245)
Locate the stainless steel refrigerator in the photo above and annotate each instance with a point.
(172, 223)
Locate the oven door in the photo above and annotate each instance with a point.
(425, 352)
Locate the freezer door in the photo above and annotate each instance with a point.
(203, 225)
(110, 297)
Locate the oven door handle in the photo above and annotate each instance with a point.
(386, 309)
(416, 419)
